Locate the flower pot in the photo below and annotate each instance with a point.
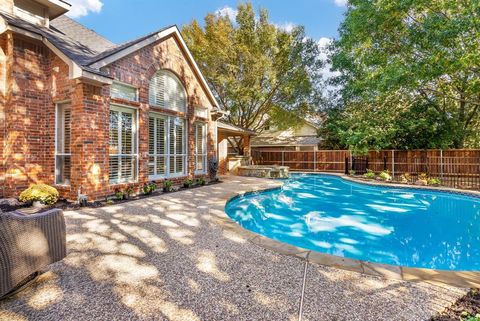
(38, 204)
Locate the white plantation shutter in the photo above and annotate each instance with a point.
(200, 147)
(167, 91)
(122, 149)
(62, 144)
(167, 146)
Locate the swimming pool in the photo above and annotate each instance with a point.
(406, 227)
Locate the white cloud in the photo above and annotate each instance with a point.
(230, 12)
(287, 26)
(82, 8)
(341, 3)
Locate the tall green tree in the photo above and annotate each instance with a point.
(410, 74)
(257, 71)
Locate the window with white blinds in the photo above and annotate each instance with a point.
(166, 146)
(62, 144)
(123, 145)
(122, 91)
(200, 148)
(167, 91)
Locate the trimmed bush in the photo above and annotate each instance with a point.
(385, 176)
(43, 193)
(369, 174)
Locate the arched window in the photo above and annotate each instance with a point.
(167, 91)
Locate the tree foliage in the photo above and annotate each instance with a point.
(258, 72)
(409, 75)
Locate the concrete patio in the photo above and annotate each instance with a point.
(173, 257)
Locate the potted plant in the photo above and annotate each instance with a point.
(167, 186)
(149, 188)
(40, 195)
(187, 183)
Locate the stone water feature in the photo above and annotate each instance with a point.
(264, 171)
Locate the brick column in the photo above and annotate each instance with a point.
(89, 143)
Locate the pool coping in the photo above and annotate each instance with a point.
(458, 191)
(463, 279)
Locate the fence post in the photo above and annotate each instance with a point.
(393, 163)
(346, 165)
(283, 158)
(385, 163)
(314, 160)
(441, 163)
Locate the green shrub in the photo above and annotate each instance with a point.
(119, 194)
(465, 316)
(369, 174)
(405, 178)
(201, 181)
(187, 183)
(40, 192)
(433, 181)
(385, 176)
(352, 172)
(130, 191)
(149, 188)
(167, 186)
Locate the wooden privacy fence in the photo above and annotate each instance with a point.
(455, 167)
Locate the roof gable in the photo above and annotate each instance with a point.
(128, 48)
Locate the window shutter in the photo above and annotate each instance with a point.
(167, 91)
(114, 132)
(127, 133)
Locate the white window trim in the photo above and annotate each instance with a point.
(205, 152)
(167, 154)
(153, 104)
(126, 85)
(56, 145)
(135, 124)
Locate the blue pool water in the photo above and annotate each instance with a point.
(407, 227)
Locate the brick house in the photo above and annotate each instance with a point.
(83, 114)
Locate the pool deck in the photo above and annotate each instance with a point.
(179, 257)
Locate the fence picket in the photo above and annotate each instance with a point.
(456, 168)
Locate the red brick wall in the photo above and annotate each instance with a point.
(137, 69)
(40, 80)
(4, 63)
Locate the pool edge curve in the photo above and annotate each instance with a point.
(463, 279)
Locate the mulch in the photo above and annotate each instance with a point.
(469, 305)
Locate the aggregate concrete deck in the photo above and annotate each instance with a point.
(178, 257)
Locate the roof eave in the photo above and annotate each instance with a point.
(153, 38)
(75, 70)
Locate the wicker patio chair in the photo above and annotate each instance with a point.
(28, 243)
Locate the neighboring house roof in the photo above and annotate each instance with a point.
(234, 129)
(86, 52)
(285, 141)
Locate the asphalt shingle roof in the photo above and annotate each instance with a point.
(82, 34)
(80, 44)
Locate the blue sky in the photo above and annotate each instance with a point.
(123, 20)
